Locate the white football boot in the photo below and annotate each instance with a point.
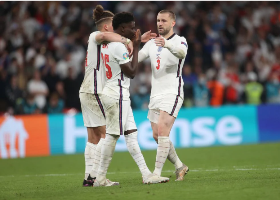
(153, 179)
(107, 183)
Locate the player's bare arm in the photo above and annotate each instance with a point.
(114, 37)
(147, 36)
(130, 68)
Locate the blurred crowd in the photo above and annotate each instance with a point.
(233, 52)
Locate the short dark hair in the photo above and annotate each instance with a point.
(170, 12)
(120, 18)
(100, 15)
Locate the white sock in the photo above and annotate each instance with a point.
(135, 152)
(107, 152)
(173, 157)
(89, 152)
(162, 153)
(96, 158)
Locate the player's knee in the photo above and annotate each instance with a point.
(162, 130)
(166, 124)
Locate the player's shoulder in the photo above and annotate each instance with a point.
(94, 33)
(91, 38)
(151, 41)
(116, 45)
(179, 38)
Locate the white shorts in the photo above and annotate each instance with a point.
(169, 103)
(92, 110)
(119, 116)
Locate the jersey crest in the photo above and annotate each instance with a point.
(159, 49)
(125, 56)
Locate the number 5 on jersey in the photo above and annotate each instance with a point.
(105, 59)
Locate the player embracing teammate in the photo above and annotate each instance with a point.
(104, 93)
(116, 100)
(92, 106)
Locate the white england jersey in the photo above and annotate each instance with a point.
(166, 68)
(117, 84)
(94, 79)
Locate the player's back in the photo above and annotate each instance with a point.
(166, 68)
(94, 79)
(117, 84)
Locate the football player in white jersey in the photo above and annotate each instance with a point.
(92, 86)
(167, 54)
(116, 101)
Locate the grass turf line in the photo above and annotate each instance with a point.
(232, 172)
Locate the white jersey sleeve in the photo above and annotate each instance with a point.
(179, 49)
(92, 37)
(144, 52)
(120, 53)
(183, 45)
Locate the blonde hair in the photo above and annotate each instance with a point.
(171, 13)
(100, 15)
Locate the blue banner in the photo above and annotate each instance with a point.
(199, 127)
(269, 123)
(67, 134)
(196, 127)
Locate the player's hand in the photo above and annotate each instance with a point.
(160, 41)
(137, 38)
(147, 36)
(129, 47)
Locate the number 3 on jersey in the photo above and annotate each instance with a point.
(158, 64)
(105, 59)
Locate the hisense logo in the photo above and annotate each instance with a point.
(199, 132)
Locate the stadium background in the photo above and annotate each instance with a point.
(231, 74)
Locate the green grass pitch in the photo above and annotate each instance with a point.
(232, 172)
